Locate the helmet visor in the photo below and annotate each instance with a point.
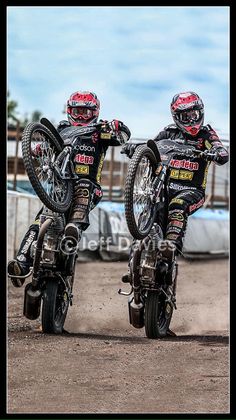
(81, 113)
(189, 117)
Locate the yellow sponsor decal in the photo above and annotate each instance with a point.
(82, 192)
(99, 172)
(177, 200)
(205, 175)
(105, 136)
(208, 144)
(174, 173)
(36, 222)
(179, 174)
(186, 175)
(177, 216)
(82, 169)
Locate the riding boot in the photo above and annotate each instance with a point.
(21, 265)
(71, 230)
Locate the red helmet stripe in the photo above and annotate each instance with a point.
(183, 99)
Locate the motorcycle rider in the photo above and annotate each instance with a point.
(82, 112)
(188, 176)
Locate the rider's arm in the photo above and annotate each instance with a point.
(161, 135)
(62, 125)
(170, 131)
(120, 133)
(213, 143)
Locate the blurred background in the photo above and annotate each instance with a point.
(135, 59)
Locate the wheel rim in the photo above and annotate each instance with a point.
(43, 163)
(142, 193)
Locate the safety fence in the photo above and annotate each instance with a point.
(108, 236)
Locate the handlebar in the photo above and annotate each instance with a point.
(206, 154)
(101, 126)
(190, 152)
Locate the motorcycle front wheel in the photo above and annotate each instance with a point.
(138, 197)
(157, 315)
(39, 150)
(55, 305)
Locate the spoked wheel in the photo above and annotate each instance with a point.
(39, 150)
(54, 308)
(157, 315)
(139, 207)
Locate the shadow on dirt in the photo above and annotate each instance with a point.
(207, 340)
(92, 336)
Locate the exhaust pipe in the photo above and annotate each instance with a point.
(136, 313)
(33, 295)
(32, 302)
(135, 303)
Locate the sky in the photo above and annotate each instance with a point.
(134, 58)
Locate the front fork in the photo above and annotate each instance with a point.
(64, 166)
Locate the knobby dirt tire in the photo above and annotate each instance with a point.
(48, 201)
(52, 321)
(140, 152)
(157, 315)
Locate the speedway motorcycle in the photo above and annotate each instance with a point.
(153, 283)
(51, 173)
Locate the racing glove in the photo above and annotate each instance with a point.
(217, 156)
(221, 156)
(120, 131)
(115, 126)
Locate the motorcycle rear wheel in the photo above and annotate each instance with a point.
(139, 208)
(157, 315)
(55, 193)
(54, 307)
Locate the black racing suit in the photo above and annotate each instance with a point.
(187, 181)
(188, 177)
(88, 158)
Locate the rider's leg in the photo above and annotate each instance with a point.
(86, 196)
(181, 205)
(21, 265)
(126, 278)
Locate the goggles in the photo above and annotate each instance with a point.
(191, 116)
(81, 113)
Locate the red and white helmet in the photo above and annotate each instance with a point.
(83, 108)
(187, 110)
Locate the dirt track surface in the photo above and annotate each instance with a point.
(104, 365)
